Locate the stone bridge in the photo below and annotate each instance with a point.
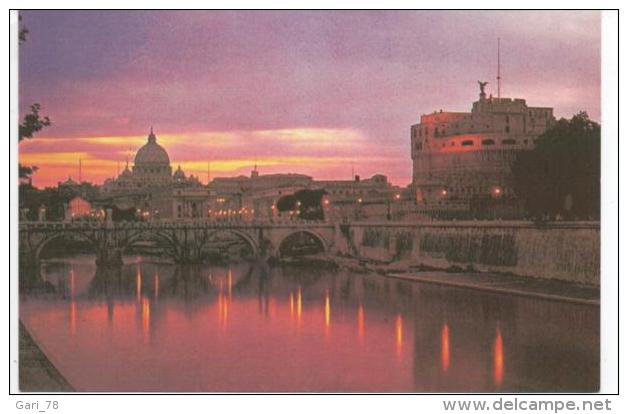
(561, 250)
(183, 240)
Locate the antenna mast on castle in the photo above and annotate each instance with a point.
(80, 171)
(499, 77)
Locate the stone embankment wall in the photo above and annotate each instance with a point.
(561, 251)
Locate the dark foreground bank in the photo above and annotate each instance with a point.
(36, 372)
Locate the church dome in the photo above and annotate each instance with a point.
(152, 153)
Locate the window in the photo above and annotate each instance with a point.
(507, 129)
(488, 142)
(509, 141)
(467, 143)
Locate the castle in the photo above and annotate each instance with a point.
(462, 161)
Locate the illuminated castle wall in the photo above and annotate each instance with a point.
(464, 157)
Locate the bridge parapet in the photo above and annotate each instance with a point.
(191, 224)
(184, 238)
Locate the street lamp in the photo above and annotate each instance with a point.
(358, 207)
(389, 213)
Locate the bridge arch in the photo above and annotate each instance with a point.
(248, 239)
(61, 236)
(242, 235)
(143, 235)
(173, 240)
(322, 243)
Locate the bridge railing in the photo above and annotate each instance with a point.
(272, 223)
(187, 223)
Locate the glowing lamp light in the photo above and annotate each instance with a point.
(326, 202)
(359, 200)
(443, 192)
(397, 196)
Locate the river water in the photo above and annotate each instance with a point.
(154, 326)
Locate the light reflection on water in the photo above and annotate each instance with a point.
(158, 327)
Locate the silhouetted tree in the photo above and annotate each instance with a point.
(561, 176)
(53, 198)
(287, 203)
(310, 207)
(33, 122)
(23, 31)
(307, 202)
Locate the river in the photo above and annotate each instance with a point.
(154, 326)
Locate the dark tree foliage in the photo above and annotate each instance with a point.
(33, 122)
(561, 176)
(287, 203)
(26, 172)
(311, 204)
(53, 198)
(307, 202)
(122, 214)
(23, 31)
(31, 199)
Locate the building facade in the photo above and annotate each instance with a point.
(462, 161)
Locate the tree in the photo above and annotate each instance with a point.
(33, 122)
(306, 202)
(561, 176)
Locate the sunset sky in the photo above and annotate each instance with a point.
(305, 92)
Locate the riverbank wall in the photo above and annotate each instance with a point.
(566, 251)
